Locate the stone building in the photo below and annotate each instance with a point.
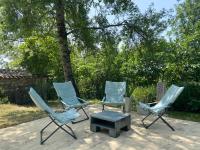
(15, 85)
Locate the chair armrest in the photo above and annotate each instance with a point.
(63, 103)
(152, 104)
(103, 99)
(160, 110)
(82, 100)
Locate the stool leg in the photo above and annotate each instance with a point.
(114, 133)
(94, 128)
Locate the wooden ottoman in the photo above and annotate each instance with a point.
(112, 121)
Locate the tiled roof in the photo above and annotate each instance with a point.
(16, 74)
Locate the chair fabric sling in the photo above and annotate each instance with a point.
(161, 107)
(114, 94)
(60, 119)
(67, 95)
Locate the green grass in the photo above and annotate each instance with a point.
(11, 114)
(185, 115)
(173, 114)
(94, 101)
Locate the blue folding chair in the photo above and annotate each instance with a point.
(67, 95)
(161, 107)
(60, 119)
(114, 94)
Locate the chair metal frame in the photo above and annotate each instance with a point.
(160, 116)
(56, 117)
(161, 112)
(87, 117)
(59, 127)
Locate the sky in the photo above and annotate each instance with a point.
(158, 4)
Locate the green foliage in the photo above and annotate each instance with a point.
(39, 55)
(143, 94)
(186, 55)
(143, 65)
(129, 47)
(90, 75)
(3, 98)
(187, 18)
(189, 100)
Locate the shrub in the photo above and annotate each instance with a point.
(143, 94)
(3, 98)
(189, 100)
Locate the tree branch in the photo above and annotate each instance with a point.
(97, 28)
(125, 23)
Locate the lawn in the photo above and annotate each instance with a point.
(185, 115)
(11, 114)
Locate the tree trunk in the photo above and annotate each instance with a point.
(64, 47)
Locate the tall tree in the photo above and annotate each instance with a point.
(187, 18)
(73, 22)
(186, 29)
(62, 36)
(22, 19)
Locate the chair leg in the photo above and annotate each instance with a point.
(159, 117)
(87, 117)
(59, 127)
(167, 123)
(123, 107)
(144, 119)
(41, 132)
(43, 140)
(147, 126)
(103, 107)
(72, 132)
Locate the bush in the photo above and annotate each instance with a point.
(3, 98)
(189, 100)
(143, 94)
